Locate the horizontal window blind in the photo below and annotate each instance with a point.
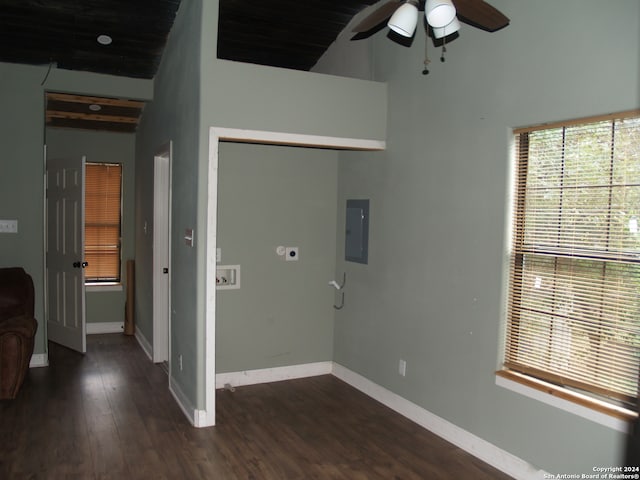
(574, 299)
(102, 222)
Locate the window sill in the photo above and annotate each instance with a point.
(103, 287)
(614, 417)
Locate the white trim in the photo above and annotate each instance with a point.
(196, 417)
(566, 405)
(294, 139)
(144, 344)
(476, 446)
(162, 191)
(275, 374)
(210, 280)
(217, 134)
(39, 360)
(201, 419)
(106, 287)
(104, 327)
(485, 451)
(45, 294)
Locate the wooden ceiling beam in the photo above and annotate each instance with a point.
(63, 97)
(89, 116)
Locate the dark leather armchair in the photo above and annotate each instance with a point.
(17, 329)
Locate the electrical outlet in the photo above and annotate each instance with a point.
(8, 226)
(402, 367)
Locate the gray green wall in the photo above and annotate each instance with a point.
(270, 196)
(103, 147)
(21, 180)
(194, 91)
(22, 131)
(433, 292)
(173, 116)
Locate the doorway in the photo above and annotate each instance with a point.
(161, 253)
(106, 137)
(206, 417)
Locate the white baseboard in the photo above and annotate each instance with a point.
(39, 360)
(104, 327)
(197, 418)
(144, 344)
(476, 446)
(275, 374)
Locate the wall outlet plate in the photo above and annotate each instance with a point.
(402, 367)
(8, 226)
(227, 277)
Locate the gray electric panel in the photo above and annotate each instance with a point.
(356, 247)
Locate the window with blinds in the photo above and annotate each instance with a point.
(103, 185)
(574, 295)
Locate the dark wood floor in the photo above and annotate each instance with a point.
(108, 414)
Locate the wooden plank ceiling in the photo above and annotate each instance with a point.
(282, 33)
(92, 113)
(64, 34)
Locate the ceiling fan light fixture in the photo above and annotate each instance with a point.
(404, 20)
(453, 27)
(439, 13)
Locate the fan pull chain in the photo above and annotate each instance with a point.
(444, 49)
(426, 62)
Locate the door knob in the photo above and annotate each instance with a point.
(85, 264)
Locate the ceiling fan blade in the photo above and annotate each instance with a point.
(377, 16)
(480, 14)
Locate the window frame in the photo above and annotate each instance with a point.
(528, 380)
(115, 281)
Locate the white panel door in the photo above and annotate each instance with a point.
(65, 253)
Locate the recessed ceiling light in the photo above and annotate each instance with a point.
(104, 39)
(94, 107)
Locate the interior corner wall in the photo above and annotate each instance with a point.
(254, 97)
(433, 291)
(282, 314)
(22, 129)
(104, 147)
(173, 116)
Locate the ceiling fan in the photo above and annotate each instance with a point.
(441, 19)
(441, 15)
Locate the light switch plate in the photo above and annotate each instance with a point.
(8, 226)
(188, 237)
